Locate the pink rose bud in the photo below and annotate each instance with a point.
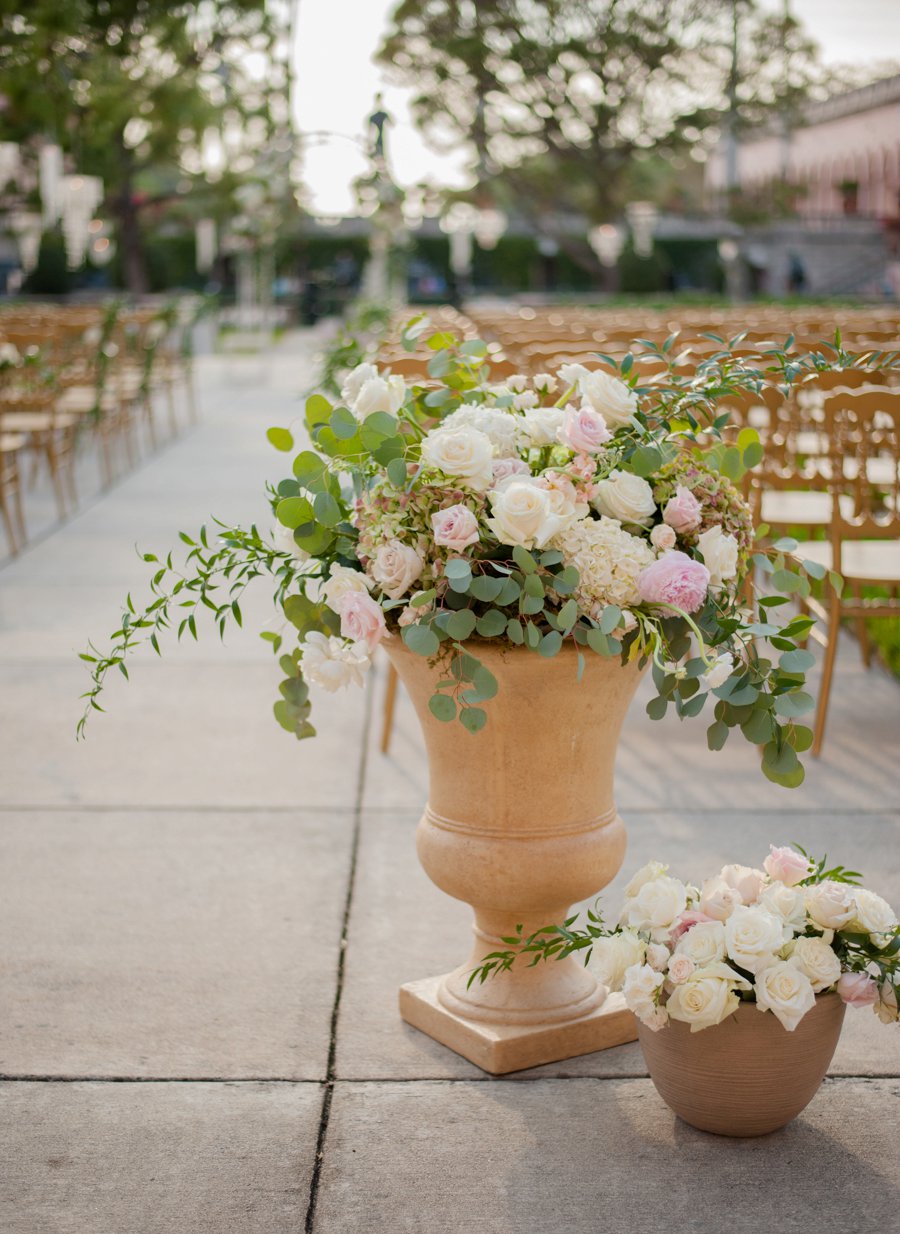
(858, 989)
(786, 865)
(675, 579)
(584, 430)
(456, 527)
(503, 468)
(683, 923)
(362, 619)
(683, 512)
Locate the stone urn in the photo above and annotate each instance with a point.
(748, 1075)
(521, 824)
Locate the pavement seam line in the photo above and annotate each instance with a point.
(330, 1069)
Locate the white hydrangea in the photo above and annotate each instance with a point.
(501, 427)
(608, 560)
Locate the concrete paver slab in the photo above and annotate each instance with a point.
(170, 944)
(156, 1158)
(573, 1156)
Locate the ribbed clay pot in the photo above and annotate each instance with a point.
(521, 823)
(748, 1075)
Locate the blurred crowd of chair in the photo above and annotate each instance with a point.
(75, 378)
(830, 477)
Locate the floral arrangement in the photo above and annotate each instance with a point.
(571, 509)
(775, 937)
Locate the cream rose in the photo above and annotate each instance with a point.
(342, 580)
(785, 991)
(662, 537)
(522, 511)
(680, 968)
(655, 906)
(817, 961)
(613, 955)
(706, 998)
(752, 937)
(395, 567)
(646, 874)
(611, 397)
(333, 663)
(641, 986)
(830, 905)
(785, 902)
(379, 394)
(873, 914)
(541, 425)
(718, 900)
(746, 881)
(625, 497)
(283, 538)
(704, 943)
(720, 555)
(463, 453)
(355, 380)
(886, 1007)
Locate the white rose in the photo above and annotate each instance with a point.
(355, 380)
(718, 900)
(680, 968)
(704, 943)
(283, 538)
(525, 401)
(785, 991)
(395, 567)
(706, 998)
(656, 906)
(625, 497)
(379, 394)
(720, 555)
(873, 914)
(523, 513)
(502, 427)
(785, 902)
(517, 383)
(646, 874)
(830, 905)
(662, 537)
(333, 663)
(753, 936)
(463, 453)
(719, 672)
(341, 580)
(611, 397)
(613, 955)
(641, 986)
(746, 881)
(541, 425)
(817, 961)
(658, 956)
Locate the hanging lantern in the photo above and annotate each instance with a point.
(10, 163)
(642, 217)
(81, 195)
(205, 244)
(102, 247)
(27, 228)
(607, 241)
(50, 177)
(489, 227)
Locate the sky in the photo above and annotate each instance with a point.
(336, 83)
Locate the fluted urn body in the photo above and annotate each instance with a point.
(521, 824)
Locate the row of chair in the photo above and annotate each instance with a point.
(76, 377)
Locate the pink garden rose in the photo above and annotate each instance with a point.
(584, 430)
(503, 468)
(786, 865)
(683, 923)
(746, 881)
(662, 537)
(683, 511)
(858, 989)
(675, 579)
(362, 620)
(455, 527)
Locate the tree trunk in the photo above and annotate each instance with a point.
(131, 241)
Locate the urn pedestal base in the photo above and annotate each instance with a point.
(500, 1048)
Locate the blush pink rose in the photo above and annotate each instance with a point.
(362, 619)
(503, 468)
(858, 989)
(455, 527)
(584, 430)
(786, 865)
(683, 512)
(675, 579)
(662, 537)
(683, 923)
(680, 968)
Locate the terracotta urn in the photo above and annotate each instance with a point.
(748, 1075)
(521, 824)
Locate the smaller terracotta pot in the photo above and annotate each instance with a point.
(748, 1075)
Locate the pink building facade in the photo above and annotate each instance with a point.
(844, 159)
